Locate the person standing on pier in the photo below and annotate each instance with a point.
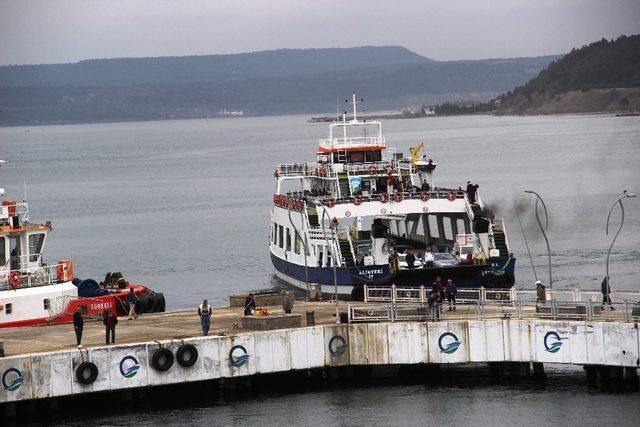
(132, 299)
(541, 293)
(110, 321)
(205, 312)
(249, 305)
(451, 291)
(78, 324)
(287, 303)
(606, 293)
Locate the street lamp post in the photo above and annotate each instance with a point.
(626, 195)
(546, 216)
(334, 259)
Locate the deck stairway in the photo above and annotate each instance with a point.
(343, 182)
(500, 242)
(312, 214)
(345, 250)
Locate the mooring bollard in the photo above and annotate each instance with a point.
(311, 318)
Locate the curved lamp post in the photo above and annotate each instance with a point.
(546, 222)
(334, 258)
(626, 195)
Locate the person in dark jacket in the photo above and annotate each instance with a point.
(411, 259)
(287, 303)
(249, 305)
(132, 299)
(110, 321)
(205, 312)
(78, 324)
(541, 292)
(450, 292)
(606, 293)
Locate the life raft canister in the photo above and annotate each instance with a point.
(384, 198)
(330, 203)
(357, 200)
(398, 197)
(14, 279)
(451, 196)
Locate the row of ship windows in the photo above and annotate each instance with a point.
(278, 238)
(8, 308)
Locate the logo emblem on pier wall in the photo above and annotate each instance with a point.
(448, 343)
(12, 379)
(552, 342)
(238, 356)
(129, 366)
(337, 346)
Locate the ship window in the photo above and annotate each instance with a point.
(373, 156)
(280, 236)
(8, 308)
(296, 245)
(3, 251)
(47, 303)
(288, 240)
(35, 246)
(16, 252)
(356, 156)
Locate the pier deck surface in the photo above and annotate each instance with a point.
(147, 327)
(186, 323)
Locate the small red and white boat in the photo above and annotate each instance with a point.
(34, 293)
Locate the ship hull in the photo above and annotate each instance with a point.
(499, 273)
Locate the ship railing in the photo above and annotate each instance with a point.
(30, 277)
(357, 141)
(479, 310)
(419, 294)
(406, 195)
(21, 209)
(305, 170)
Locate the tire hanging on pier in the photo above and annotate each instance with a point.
(187, 355)
(162, 359)
(86, 373)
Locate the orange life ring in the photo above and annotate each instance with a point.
(373, 170)
(60, 272)
(14, 279)
(424, 196)
(330, 203)
(357, 200)
(451, 196)
(398, 197)
(384, 198)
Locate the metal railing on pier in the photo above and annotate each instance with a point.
(401, 294)
(479, 310)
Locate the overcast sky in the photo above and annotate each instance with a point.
(49, 31)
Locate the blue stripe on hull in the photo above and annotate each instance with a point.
(499, 274)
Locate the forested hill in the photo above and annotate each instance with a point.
(296, 81)
(602, 76)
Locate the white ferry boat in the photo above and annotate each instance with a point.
(361, 212)
(33, 293)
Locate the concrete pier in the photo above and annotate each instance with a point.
(236, 359)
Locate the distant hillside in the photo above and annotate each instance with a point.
(208, 68)
(603, 76)
(259, 83)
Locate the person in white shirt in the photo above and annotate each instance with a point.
(428, 258)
